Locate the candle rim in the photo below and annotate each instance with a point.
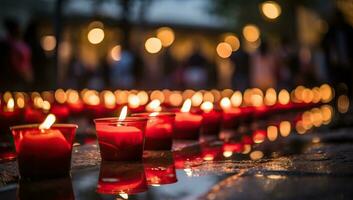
(116, 119)
(147, 114)
(37, 126)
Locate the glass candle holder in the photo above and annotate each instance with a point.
(121, 140)
(159, 130)
(211, 123)
(187, 126)
(121, 178)
(44, 153)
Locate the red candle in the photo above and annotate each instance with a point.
(121, 178)
(44, 152)
(160, 169)
(159, 130)
(211, 119)
(121, 138)
(187, 125)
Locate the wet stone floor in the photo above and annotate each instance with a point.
(317, 164)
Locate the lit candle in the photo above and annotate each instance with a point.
(122, 138)
(121, 178)
(187, 125)
(159, 130)
(44, 150)
(211, 122)
(231, 115)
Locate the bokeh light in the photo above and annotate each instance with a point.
(153, 45)
(95, 35)
(251, 32)
(233, 41)
(166, 36)
(224, 50)
(48, 42)
(271, 9)
(115, 53)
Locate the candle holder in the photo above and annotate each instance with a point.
(121, 139)
(43, 153)
(211, 123)
(187, 126)
(121, 178)
(159, 130)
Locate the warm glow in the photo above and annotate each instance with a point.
(270, 97)
(317, 117)
(60, 96)
(233, 41)
(272, 133)
(247, 149)
(46, 105)
(316, 95)
(38, 102)
(10, 104)
(307, 95)
(327, 113)
(7, 96)
(143, 96)
(284, 128)
(154, 105)
(206, 106)
(186, 106)
(121, 96)
(343, 104)
(109, 99)
(153, 45)
(256, 155)
(123, 113)
(20, 102)
(157, 94)
(217, 95)
(91, 97)
(225, 103)
(300, 128)
(326, 93)
(236, 99)
(72, 96)
(175, 99)
(154, 114)
(256, 100)
(259, 137)
(227, 154)
(124, 195)
(251, 33)
(224, 50)
(48, 42)
(166, 35)
(95, 35)
(196, 99)
(133, 101)
(271, 9)
(48, 122)
(208, 96)
(115, 53)
(283, 97)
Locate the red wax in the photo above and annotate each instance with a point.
(44, 153)
(211, 122)
(159, 131)
(76, 107)
(187, 126)
(33, 115)
(115, 178)
(120, 141)
(231, 117)
(60, 111)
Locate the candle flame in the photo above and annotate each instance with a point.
(186, 106)
(225, 103)
(154, 105)
(124, 195)
(123, 113)
(207, 106)
(10, 104)
(48, 122)
(154, 114)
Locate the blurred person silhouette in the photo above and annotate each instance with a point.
(169, 65)
(195, 74)
(240, 58)
(39, 60)
(125, 72)
(16, 68)
(262, 70)
(338, 48)
(77, 76)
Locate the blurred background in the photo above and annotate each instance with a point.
(175, 44)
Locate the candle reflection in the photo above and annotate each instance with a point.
(121, 178)
(160, 169)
